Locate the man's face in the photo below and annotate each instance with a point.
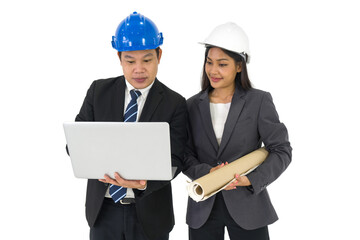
(140, 67)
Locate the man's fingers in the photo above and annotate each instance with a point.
(119, 181)
(118, 178)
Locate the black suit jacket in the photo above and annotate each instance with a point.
(105, 102)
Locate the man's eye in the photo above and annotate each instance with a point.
(147, 60)
(222, 65)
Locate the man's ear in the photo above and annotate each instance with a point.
(160, 53)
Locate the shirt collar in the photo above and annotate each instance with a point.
(144, 91)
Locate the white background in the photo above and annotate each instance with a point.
(306, 53)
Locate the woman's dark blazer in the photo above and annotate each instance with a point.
(251, 122)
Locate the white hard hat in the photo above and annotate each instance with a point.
(230, 37)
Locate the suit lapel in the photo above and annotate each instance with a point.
(236, 107)
(204, 108)
(152, 101)
(119, 100)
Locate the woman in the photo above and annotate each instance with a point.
(227, 120)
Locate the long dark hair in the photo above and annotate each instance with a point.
(241, 79)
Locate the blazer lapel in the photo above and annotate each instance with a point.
(236, 107)
(119, 98)
(204, 108)
(152, 101)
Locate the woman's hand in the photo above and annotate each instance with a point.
(241, 181)
(218, 167)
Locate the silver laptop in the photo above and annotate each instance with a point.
(137, 151)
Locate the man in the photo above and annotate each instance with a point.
(146, 211)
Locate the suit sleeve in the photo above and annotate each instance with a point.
(178, 136)
(177, 140)
(87, 111)
(193, 168)
(274, 135)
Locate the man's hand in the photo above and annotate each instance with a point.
(119, 181)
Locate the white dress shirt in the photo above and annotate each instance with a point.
(141, 102)
(219, 113)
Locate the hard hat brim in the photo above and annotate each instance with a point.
(244, 55)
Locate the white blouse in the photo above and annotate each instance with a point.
(219, 113)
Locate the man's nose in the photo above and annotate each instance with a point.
(139, 68)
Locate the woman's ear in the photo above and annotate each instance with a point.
(238, 67)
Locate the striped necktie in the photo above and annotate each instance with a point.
(116, 192)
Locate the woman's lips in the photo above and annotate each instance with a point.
(215, 79)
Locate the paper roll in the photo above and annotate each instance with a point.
(208, 185)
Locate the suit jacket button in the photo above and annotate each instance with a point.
(219, 162)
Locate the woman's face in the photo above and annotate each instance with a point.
(221, 69)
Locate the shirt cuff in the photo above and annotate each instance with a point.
(143, 189)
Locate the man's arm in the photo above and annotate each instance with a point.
(87, 111)
(178, 138)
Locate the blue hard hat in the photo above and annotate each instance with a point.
(136, 32)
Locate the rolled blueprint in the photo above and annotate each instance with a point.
(210, 184)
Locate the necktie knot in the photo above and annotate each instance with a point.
(135, 94)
